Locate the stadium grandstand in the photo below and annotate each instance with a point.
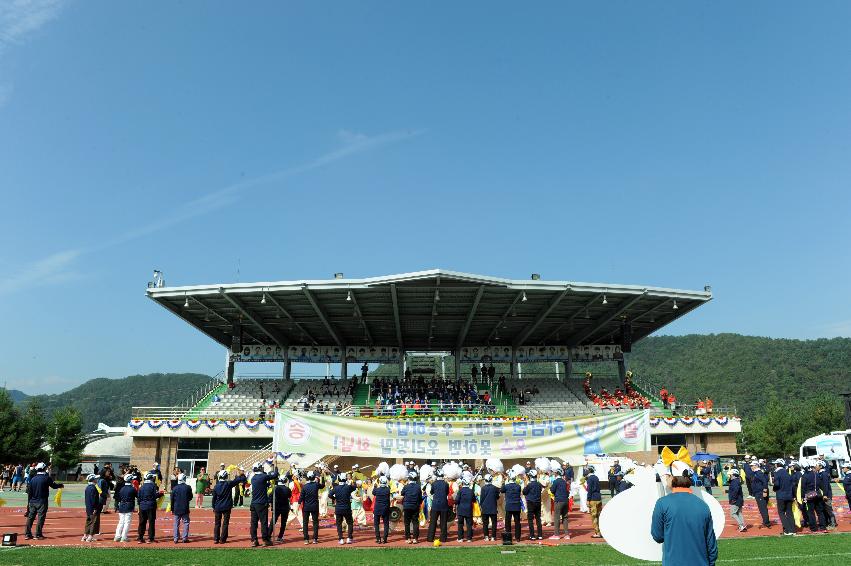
(430, 344)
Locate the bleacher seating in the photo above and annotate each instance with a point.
(248, 399)
(564, 397)
(299, 392)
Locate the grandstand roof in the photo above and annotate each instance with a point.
(432, 310)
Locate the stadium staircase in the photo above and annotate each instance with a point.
(361, 394)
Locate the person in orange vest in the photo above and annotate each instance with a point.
(708, 405)
(700, 408)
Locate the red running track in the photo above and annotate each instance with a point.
(64, 527)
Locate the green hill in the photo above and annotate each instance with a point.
(109, 401)
(745, 371)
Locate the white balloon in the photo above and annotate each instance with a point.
(398, 472)
(494, 465)
(625, 521)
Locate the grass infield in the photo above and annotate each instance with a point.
(815, 550)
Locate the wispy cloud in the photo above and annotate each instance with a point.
(19, 20)
(60, 266)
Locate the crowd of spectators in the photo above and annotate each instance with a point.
(626, 398)
(418, 396)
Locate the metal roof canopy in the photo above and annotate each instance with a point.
(434, 310)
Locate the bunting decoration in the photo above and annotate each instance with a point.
(175, 424)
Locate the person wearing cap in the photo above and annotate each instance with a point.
(37, 494)
(736, 498)
(532, 490)
(464, 511)
(412, 498)
(759, 490)
(93, 508)
(260, 503)
(595, 500)
(148, 495)
(814, 498)
(222, 504)
(381, 509)
(513, 504)
(341, 495)
(489, 504)
(613, 472)
(682, 523)
(156, 471)
(181, 496)
(560, 493)
(281, 505)
(784, 491)
(439, 507)
(308, 498)
(126, 499)
(621, 484)
(824, 482)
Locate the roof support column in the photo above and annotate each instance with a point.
(230, 366)
(344, 368)
(457, 355)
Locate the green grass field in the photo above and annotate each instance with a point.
(801, 551)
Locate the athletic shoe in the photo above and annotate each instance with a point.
(566, 537)
(255, 543)
(307, 542)
(554, 537)
(116, 539)
(460, 540)
(348, 541)
(342, 541)
(267, 543)
(85, 538)
(316, 541)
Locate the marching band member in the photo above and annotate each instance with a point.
(533, 491)
(489, 503)
(512, 493)
(559, 491)
(222, 504)
(358, 512)
(308, 498)
(412, 498)
(544, 478)
(381, 509)
(464, 511)
(148, 496)
(439, 506)
(341, 495)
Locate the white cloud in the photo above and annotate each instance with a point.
(58, 267)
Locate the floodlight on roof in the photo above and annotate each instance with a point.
(524, 297)
(349, 296)
(263, 300)
(675, 305)
(605, 302)
(186, 302)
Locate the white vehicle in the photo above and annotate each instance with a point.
(835, 447)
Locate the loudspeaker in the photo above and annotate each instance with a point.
(506, 539)
(236, 339)
(10, 539)
(626, 337)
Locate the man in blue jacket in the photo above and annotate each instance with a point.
(148, 495)
(785, 493)
(736, 498)
(595, 500)
(512, 493)
(381, 509)
(412, 498)
(846, 482)
(488, 501)
(222, 505)
(532, 491)
(181, 495)
(814, 498)
(560, 492)
(464, 511)
(126, 500)
(281, 505)
(341, 495)
(308, 498)
(260, 504)
(682, 523)
(93, 508)
(759, 491)
(824, 482)
(439, 507)
(38, 491)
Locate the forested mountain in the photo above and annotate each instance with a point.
(109, 401)
(745, 371)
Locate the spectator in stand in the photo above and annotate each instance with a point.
(709, 406)
(663, 394)
(700, 407)
(672, 402)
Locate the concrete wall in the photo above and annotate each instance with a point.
(146, 450)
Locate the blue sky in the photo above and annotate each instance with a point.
(671, 144)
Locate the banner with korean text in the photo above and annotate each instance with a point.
(302, 432)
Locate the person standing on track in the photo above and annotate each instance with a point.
(308, 498)
(341, 495)
(260, 504)
(222, 504)
(148, 496)
(381, 510)
(736, 497)
(559, 491)
(181, 495)
(512, 492)
(439, 507)
(126, 499)
(93, 509)
(785, 494)
(281, 505)
(412, 498)
(532, 491)
(37, 493)
(595, 500)
(489, 503)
